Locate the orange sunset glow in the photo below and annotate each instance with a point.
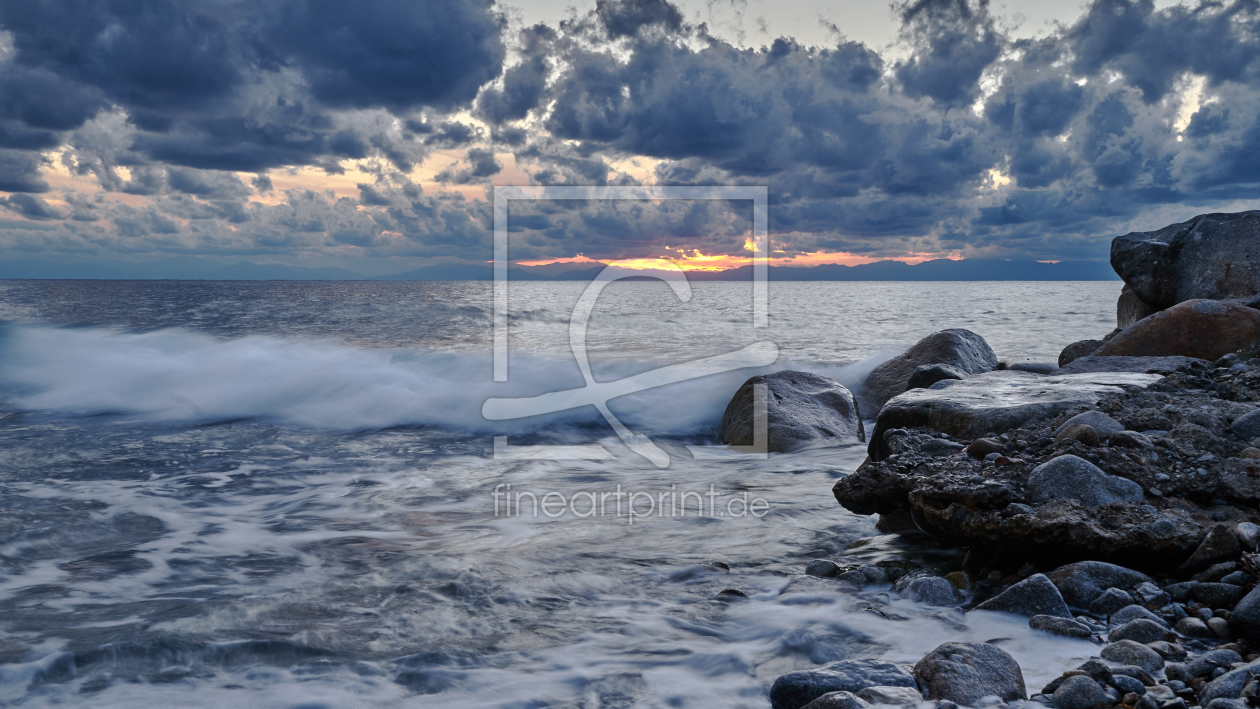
(693, 260)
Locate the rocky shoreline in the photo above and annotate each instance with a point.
(1110, 496)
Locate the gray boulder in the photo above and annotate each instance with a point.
(996, 402)
(933, 591)
(1097, 420)
(1084, 581)
(801, 408)
(1076, 350)
(965, 673)
(1247, 426)
(1213, 256)
(1079, 692)
(1035, 595)
(837, 700)
(796, 689)
(959, 348)
(928, 374)
(1127, 652)
(1245, 618)
(1055, 625)
(1071, 478)
(1139, 631)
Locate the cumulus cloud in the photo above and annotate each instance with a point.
(969, 141)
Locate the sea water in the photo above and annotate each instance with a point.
(284, 494)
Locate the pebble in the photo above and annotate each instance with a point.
(1128, 684)
(1220, 628)
(1193, 628)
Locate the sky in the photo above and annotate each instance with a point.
(369, 135)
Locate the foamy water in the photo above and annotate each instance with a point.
(282, 494)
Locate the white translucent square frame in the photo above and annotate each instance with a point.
(758, 195)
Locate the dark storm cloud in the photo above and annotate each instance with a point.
(953, 42)
(30, 206)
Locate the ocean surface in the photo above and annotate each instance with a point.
(284, 494)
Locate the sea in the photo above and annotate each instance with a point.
(287, 494)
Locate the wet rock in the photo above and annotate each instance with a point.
(933, 591)
(891, 696)
(1247, 426)
(1140, 630)
(928, 374)
(801, 408)
(1079, 432)
(1210, 256)
(1111, 600)
(1059, 626)
(1135, 612)
(1083, 582)
(1223, 703)
(1206, 329)
(837, 700)
(1076, 350)
(961, 349)
(823, 569)
(1034, 367)
(1219, 544)
(1128, 684)
(1080, 692)
(1220, 628)
(1167, 650)
(1151, 596)
(1218, 595)
(796, 689)
(1229, 685)
(731, 595)
(1103, 424)
(1070, 477)
(965, 673)
(1127, 652)
(1146, 365)
(1248, 535)
(1135, 672)
(1035, 595)
(1245, 619)
(995, 402)
(1205, 664)
(1181, 592)
(1193, 628)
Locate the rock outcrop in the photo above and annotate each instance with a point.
(1206, 329)
(801, 408)
(962, 349)
(995, 402)
(1215, 256)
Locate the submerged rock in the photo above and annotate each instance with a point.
(962, 349)
(965, 673)
(796, 689)
(1207, 329)
(801, 408)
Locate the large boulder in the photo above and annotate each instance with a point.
(796, 689)
(1033, 596)
(1206, 329)
(965, 673)
(995, 402)
(962, 349)
(801, 408)
(1213, 256)
(1083, 582)
(1071, 478)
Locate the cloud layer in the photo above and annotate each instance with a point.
(138, 129)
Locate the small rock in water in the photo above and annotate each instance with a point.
(1035, 595)
(962, 580)
(1127, 652)
(1140, 630)
(796, 689)
(837, 700)
(934, 591)
(1079, 692)
(1193, 628)
(1059, 626)
(965, 673)
(1103, 425)
(731, 594)
(1080, 432)
(1069, 477)
(823, 569)
(1111, 600)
